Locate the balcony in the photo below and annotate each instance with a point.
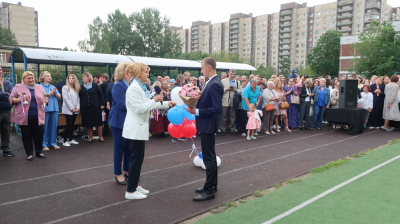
(233, 46)
(195, 41)
(370, 20)
(347, 16)
(195, 37)
(286, 25)
(287, 30)
(195, 28)
(233, 42)
(286, 53)
(195, 45)
(373, 5)
(287, 18)
(286, 13)
(195, 32)
(285, 42)
(347, 23)
(345, 30)
(233, 31)
(285, 48)
(285, 36)
(234, 21)
(234, 26)
(233, 51)
(345, 9)
(233, 36)
(343, 3)
(373, 13)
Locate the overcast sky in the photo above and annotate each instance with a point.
(64, 22)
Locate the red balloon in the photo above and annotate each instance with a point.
(175, 130)
(188, 129)
(194, 121)
(185, 120)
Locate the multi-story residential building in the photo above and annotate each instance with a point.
(290, 33)
(22, 21)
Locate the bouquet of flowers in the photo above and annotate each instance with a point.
(190, 94)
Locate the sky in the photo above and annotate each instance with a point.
(64, 22)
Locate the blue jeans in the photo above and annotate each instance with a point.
(318, 114)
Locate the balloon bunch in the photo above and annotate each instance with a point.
(183, 124)
(198, 161)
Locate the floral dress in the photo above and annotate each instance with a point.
(279, 111)
(292, 110)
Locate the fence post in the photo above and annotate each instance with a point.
(66, 70)
(109, 71)
(38, 69)
(82, 69)
(168, 73)
(25, 63)
(13, 69)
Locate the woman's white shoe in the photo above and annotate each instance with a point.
(135, 195)
(66, 144)
(142, 190)
(73, 142)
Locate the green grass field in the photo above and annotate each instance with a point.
(374, 198)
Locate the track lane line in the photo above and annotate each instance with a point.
(192, 182)
(102, 166)
(148, 172)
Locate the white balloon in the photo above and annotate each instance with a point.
(203, 165)
(197, 161)
(175, 96)
(218, 161)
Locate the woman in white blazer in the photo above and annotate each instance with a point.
(70, 107)
(136, 126)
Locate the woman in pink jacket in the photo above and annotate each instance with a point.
(30, 102)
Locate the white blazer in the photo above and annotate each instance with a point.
(138, 106)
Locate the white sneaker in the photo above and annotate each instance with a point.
(273, 127)
(371, 127)
(236, 130)
(244, 134)
(135, 195)
(66, 144)
(166, 133)
(219, 130)
(279, 126)
(74, 132)
(255, 133)
(142, 190)
(73, 142)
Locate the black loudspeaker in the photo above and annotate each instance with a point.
(348, 93)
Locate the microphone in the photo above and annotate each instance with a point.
(157, 89)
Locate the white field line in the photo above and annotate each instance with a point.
(192, 182)
(144, 173)
(302, 205)
(102, 166)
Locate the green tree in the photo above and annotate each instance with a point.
(324, 57)
(99, 38)
(7, 37)
(152, 36)
(122, 38)
(66, 49)
(286, 63)
(265, 72)
(309, 72)
(379, 51)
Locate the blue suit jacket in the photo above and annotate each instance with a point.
(117, 115)
(210, 107)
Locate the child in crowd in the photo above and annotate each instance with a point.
(368, 103)
(254, 122)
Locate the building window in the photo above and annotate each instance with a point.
(317, 26)
(317, 32)
(325, 25)
(310, 27)
(326, 12)
(311, 15)
(311, 21)
(358, 19)
(298, 22)
(3, 57)
(359, 5)
(358, 12)
(333, 23)
(303, 45)
(333, 10)
(333, 17)
(317, 19)
(325, 18)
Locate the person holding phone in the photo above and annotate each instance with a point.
(231, 88)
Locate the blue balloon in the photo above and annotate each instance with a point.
(190, 117)
(175, 116)
(201, 155)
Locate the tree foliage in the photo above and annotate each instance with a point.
(265, 72)
(286, 63)
(379, 51)
(324, 57)
(7, 37)
(144, 33)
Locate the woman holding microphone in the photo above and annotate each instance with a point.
(136, 126)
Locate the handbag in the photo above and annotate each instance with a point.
(295, 99)
(284, 104)
(269, 107)
(237, 98)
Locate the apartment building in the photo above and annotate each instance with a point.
(22, 21)
(290, 33)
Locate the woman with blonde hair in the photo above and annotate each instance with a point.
(29, 104)
(281, 97)
(322, 100)
(70, 107)
(92, 102)
(122, 152)
(136, 125)
(51, 120)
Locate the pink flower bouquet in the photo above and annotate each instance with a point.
(190, 94)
